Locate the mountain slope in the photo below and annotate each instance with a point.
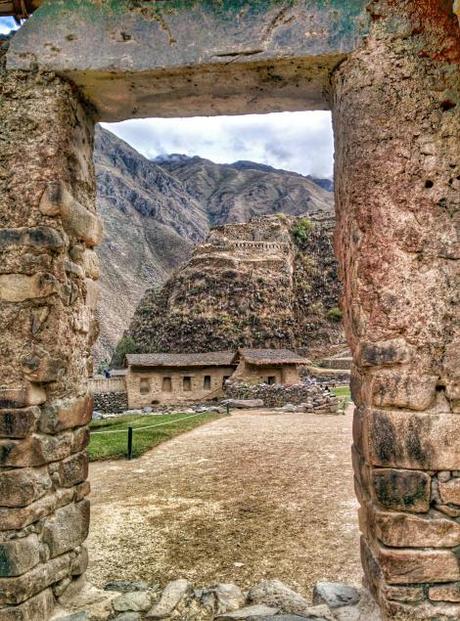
(155, 212)
(243, 190)
(269, 283)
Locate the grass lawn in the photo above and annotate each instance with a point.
(343, 394)
(114, 445)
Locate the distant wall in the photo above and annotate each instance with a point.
(111, 402)
(101, 385)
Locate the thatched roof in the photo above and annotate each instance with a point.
(209, 359)
(262, 357)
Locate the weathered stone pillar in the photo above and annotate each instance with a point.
(47, 292)
(397, 125)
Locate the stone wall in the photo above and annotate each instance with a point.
(316, 398)
(47, 294)
(396, 113)
(111, 402)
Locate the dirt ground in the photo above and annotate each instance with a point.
(252, 496)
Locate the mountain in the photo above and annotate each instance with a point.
(243, 190)
(271, 282)
(155, 212)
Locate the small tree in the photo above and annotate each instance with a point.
(301, 230)
(126, 345)
(335, 314)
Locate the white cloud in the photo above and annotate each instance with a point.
(7, 24)
(298, 141)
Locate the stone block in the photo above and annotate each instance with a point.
(73, 470)
(80, 562)
(19, 555)
(450, 491)
(413, 440)
(16, 590)
(383, 353)
(39, 607)
(21, 287)
(66, 414)
(67, 528)
(16, 519)
(402, 490)
(37, 237)
(403, 593)
(421, 611)
(19, 488)
(402, 530)
(417, 566)
(445, 593)
(77, 221)
(401, 389)
(18, 422)
(91, 264)
(28, 395)
(40, 449)
(42, 368)
(82, 490)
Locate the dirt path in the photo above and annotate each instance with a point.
(241, 499)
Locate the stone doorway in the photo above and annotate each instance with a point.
(389, 72)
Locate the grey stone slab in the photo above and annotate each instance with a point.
(246, 56)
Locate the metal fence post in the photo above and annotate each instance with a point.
(130, 442)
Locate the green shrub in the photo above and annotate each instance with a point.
(126, 345)
(302, 229)
(334, 314)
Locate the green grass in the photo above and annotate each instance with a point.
(114, 445)
(344, 396)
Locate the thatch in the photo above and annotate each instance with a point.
(209, 359)
(265, 357)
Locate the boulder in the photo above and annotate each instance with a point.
(276, 593)
(244, 404)
(174, 592)
(222, 598)
(126, 586)
(135, 601)
(248, 613)
(335, 594)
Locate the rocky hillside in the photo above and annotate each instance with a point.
(155, 212)
(269, 283)
(240, 191)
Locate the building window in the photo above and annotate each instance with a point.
(271, 379)
(166, 385)
(207, 382)
(187, 384)
(144, 385)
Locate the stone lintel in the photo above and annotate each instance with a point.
(188, 58)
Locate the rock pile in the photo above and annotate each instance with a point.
(179, 601)
(309, 396)
(115, 402)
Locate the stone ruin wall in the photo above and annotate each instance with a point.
(47, 295)
(397, 195)
(396, 114)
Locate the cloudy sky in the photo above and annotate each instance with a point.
(7, 24)
(299, 141)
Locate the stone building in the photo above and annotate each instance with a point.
(269, 366)
(177, 378)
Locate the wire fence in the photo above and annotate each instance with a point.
(130, 430)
